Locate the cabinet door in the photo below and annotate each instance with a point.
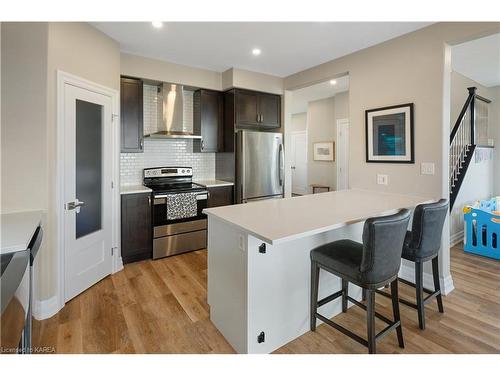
(247, 108)
(137, 229)
(208, 117)
(270, 110)
(132, 131)
(220, 196)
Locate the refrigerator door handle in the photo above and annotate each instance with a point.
(281, 163)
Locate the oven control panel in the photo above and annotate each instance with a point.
(168, 172)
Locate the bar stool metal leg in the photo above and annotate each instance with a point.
(370, 320)
(395, 310)
(345, 293)
(314, 294)
(419, 288)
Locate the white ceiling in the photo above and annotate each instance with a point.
(323, 90)
(287, 47)
(479, 60)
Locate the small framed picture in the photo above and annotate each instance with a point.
(389, 134)
(323, 151)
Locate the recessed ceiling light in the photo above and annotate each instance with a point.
(333, 82)
(157, 24)
(256, 51)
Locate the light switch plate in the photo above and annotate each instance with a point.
(382, 179)
(427, 168)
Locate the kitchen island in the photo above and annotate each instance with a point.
(259, 265)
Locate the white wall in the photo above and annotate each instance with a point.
(477, 185)
(495, 129)
(480, 178)
(299, 122)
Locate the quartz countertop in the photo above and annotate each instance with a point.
(278, 220)
(213, 183)
(134, 189)
(17, 230)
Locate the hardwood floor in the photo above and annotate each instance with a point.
(160, 307)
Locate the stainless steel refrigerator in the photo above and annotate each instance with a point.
(260, 166)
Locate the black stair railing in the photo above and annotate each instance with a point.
(463, 143)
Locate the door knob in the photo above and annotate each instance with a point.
(74, 205)
(292, 167)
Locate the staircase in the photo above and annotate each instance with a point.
(463, 143)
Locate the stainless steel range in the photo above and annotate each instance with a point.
(179, 225)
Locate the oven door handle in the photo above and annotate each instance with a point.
(197, 195)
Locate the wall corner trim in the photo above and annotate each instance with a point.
(408, 273)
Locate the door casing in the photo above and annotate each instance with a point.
(64, 78)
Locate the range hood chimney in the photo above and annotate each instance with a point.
(171, 114)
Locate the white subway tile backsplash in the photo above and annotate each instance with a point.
(165, 152)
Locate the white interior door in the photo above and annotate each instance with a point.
(299, 162)
(87, 189)
(342, 156)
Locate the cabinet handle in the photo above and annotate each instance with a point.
(258, 118)
(149, 201)
(202, 145)
(142, 143)
(261, 118)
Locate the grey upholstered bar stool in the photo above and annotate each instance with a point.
(370, 265)
(421, 245)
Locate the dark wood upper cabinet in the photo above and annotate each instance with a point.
(136, 229)
(132, 127)
(208, 120)
(247, 108)
(257, 109)
(270, 110)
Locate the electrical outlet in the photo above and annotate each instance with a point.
(427, 168)
(382, 179)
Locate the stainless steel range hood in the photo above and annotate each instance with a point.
(171, 114)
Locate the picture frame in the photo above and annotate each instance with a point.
(390, 134)
(324, 151)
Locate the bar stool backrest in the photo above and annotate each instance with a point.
(427, 228)
(382, 246)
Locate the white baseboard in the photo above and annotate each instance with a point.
(456, 238)
(408, 273)
(44, 309)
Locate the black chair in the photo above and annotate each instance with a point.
(421, 245)
(370, 265)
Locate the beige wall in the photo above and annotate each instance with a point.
(412, 68)
(321, 127)
(32, 53)
(251, 80)
(143, 67)
(406, 69)
(24, 116)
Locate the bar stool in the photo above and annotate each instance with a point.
(370, 265)
(420, 245)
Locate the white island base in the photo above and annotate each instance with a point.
(251, 292)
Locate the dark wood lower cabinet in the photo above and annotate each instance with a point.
(220, 196)
(137, 229)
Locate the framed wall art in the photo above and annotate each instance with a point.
(389, 134)
(323, 151)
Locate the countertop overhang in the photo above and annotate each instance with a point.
(279, 220)
(18, 229)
